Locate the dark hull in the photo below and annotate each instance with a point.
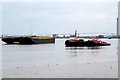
(82, 44)
(27, 40)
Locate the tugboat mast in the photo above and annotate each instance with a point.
(75, 33)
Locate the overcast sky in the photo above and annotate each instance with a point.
(88, 16)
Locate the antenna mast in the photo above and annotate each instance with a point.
(31, 30)
(75, 33)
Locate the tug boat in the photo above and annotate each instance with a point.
(82, 43)
(28, 40)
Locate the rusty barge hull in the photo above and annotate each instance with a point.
(27, 40)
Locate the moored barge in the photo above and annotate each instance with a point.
(29, 40)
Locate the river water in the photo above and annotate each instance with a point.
(29, 55)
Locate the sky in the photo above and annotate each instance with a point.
(52, 17)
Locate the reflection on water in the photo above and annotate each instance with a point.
(73, 51)
(96, 47)
(74, 48)
(83, 48)
(56, 54)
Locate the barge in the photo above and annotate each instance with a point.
(29, 40)
(82, 43)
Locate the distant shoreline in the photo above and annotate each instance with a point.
(85, 37)
(88, 37)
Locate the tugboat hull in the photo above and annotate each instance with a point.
(88, 43)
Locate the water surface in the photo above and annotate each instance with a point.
(42, 54)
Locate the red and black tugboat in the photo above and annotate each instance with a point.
(82, 43)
